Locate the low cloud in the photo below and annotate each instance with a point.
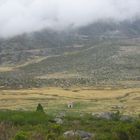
(23, 16)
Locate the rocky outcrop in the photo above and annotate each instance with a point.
(103, 115)
(81, 134)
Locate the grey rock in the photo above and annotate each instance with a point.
(103, 115)
(82, 134)
(69, 134)
(118, 107)
(58, 120)
(125, 118)
(61, 115)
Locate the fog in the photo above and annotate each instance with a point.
(23, 16)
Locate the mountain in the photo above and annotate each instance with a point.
(102, 53)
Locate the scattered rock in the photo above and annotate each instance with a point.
(118, 107)
(69, 134)
(125, 118)
(81, 114)
(103, 115)
(61, 115)
(95, 114)
(82, 134)
(58, 120)
(111, 115)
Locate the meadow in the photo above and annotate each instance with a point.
(85, 99)
(20, 120)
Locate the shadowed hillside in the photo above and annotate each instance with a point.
(103, 53)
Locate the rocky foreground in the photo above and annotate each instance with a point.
(38, 125)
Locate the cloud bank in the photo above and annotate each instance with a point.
(23, 16)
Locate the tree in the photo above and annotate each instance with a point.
(39, 108)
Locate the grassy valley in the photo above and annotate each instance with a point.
(86, 83)
(86, 100)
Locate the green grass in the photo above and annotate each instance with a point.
(22, 118)
(35, 124)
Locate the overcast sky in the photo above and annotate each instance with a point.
(22, 16)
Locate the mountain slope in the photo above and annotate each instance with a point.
(101, 53)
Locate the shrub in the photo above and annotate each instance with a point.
(21, 136)
(102, 136)
(56, 129)
(17, 118)
(121, 135)
(116, 116)
(38, 136)
(51, 136)
(134, 133)
(39, 108)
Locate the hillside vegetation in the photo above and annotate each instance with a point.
(17, 125)
(105, 63)
(103, 53)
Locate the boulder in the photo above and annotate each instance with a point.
(118, 107)
(125, 118)
(82, 134)
(58, 120)
(103, 115)
(61, 115)
(69, 134)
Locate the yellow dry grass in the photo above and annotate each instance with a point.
(33, 61)
(58, 75)
(5, 69)
(85, 99)
(12, 68)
